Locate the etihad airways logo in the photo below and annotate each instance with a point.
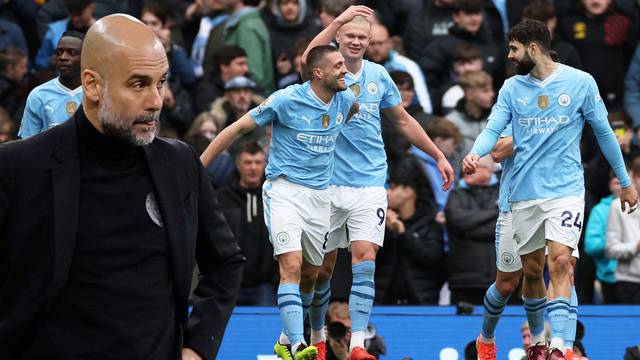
(543, 124)
(318, 143)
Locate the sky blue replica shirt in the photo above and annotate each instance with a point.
(48, 105)
(304, 133)
(548, 117)
(360, 157)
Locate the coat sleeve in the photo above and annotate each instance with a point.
(220, 261)
(478, 223)
(424, 245)
(617, 247)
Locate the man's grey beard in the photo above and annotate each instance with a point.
(118, 126)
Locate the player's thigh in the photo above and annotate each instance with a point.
(507, 258)
(283, 217)
(528, 227)
(565, 220)
(367, 215)
(337, 237)
(316, 214)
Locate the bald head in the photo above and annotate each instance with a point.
(117, 36)
(124, 70)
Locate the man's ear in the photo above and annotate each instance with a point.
(92, 84)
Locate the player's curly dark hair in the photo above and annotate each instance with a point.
(529, 31)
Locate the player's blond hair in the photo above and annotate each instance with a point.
(360, 21)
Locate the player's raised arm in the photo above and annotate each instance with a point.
(326, 36)
(227, 136)
(596, 114)
(412, 130)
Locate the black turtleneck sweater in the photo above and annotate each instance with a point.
(118, 301)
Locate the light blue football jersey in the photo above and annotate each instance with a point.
(548, 117)
(48, 105)
(360, 159)
(505, 177)
(304, 133)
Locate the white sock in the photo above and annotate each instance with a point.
(317, 336)
(557, 343)
(284, 339)
(357, 340)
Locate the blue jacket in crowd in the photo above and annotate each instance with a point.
(595, 239)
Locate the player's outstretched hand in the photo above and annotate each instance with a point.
(353, 11)
(469, 163)
(446, 171)
(629, 195)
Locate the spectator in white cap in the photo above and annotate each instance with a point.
(239, 97)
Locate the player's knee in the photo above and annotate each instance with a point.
(325, 273)
(508, 285)
(364, 251)
(533, 273)
(309, 275)
(290, 270)
(560, 265)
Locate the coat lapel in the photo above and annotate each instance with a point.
(171, 202)
(65, 178)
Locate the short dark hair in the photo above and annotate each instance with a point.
(156, 9)
(401, 78)
(528, 31)
(225, 54)
(466, 52)
(539, 10)
(317, 54)
(77, 6)
(409, 172)
(73, 34)
(251, 148)
(443, 128)
(469, 6)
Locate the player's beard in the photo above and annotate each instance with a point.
(336, 86)
(120, 126)
(524, 66)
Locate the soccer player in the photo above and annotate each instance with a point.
(306, 120)
(509, 265)
(547, 104)
(359, 198)
(53, 102)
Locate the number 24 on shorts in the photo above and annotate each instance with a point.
(567, 216)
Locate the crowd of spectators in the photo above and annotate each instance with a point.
(448, 59)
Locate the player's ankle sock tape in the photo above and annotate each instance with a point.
(320, 304)
(558, 313)
(572, 322)
(494, 304)
(362, 293)
(290, 307)
(534, 309)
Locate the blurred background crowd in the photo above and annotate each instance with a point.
(448, 59)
